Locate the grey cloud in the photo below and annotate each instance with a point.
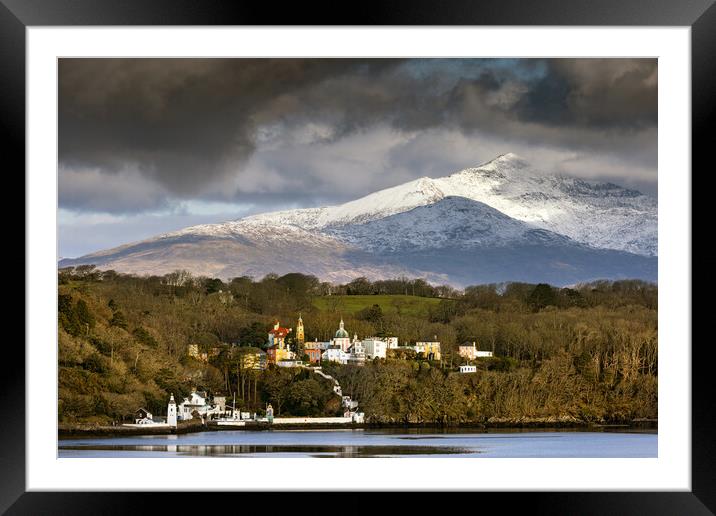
(92, 190)
(191, 128)
(182, 123)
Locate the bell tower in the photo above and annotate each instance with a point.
(300, 337)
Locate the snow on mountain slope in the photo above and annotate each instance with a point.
(455, 222)
(602, 215)
(374, 206)
(500, 221)
(454, 240)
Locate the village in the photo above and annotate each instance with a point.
(341, 349)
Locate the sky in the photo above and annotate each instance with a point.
(148, 146)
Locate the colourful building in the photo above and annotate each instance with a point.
(430, 349)
(316, 345)
(314, 355)
(278, 349)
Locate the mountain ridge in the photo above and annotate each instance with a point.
(500, 207)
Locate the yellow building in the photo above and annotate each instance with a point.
(429, 349)
(300, 337)
(253, 360)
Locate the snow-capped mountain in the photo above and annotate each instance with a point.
(500, 221)
(602, 215)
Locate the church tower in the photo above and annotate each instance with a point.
(300, 337)
(172, 412)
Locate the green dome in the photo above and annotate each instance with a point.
(342, 333)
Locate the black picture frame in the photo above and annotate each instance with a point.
(700, 15)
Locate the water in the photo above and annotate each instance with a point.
(370, 443)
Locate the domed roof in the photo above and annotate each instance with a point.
(342, 333)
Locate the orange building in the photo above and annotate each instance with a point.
(314, 355)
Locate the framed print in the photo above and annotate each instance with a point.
(441, 252)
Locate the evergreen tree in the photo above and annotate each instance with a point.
(543, 295)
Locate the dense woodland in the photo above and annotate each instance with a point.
(588, 352)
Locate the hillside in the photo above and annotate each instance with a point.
(588, 352)
(389, 304)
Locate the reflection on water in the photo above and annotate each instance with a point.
(369, 443)
(244, 449)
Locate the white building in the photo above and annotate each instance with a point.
(172, 411)
(220, 403)
(290, 363)
(357, 347)
(349, 403)
(392, 342)
(357, 354)
(199, 402)
(335, 354)
(375, 348)
(195, 401)
(468, 369)
(143, 416)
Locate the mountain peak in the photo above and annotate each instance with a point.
(507, 160)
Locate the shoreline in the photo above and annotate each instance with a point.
(78, 431)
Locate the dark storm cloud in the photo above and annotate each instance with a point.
(178, 122)
(607, 93)
(590, 94)
(186, 128)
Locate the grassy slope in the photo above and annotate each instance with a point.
(408, 305)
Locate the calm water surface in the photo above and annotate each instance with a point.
(370, 443)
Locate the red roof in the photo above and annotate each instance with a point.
(280, 332)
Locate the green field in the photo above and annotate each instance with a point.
(405, 305)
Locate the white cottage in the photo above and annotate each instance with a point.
(199, 402)
(335, 354)
(375, 348)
